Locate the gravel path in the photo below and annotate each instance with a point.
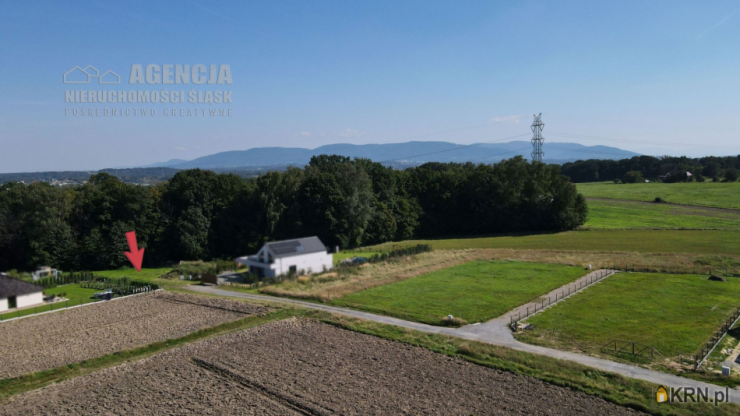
(300, 366)
(52, 340)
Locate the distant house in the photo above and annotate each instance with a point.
(299, 256)
(44, 271)
(15, 293)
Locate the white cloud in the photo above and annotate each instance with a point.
(306, 134)
(182, 149)
(507, 119)
(349, 133)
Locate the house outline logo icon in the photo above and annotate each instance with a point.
(73, 71)
(89, 72)
(109, 74)
(661, 395)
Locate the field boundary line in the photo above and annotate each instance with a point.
(77, 306)
(513, 322)
(710, 207)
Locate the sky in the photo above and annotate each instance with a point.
(655, 77)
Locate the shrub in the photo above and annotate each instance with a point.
(447, 321)
(633, 176)
(731, 175)
(659, 200)
(617, 181)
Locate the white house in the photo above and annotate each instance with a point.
(44, 271)
(303, 255)
(16, 293)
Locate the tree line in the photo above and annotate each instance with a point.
(199, 214)
(649, 167)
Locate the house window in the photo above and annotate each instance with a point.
(12, 302)
(293, 269)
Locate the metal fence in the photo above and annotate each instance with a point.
(558, 296)
(709, 346)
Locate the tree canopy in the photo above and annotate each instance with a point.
(203, 215)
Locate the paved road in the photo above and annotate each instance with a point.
(492, 332)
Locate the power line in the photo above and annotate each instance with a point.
(587, 137)
(641, 125)
(523, 149)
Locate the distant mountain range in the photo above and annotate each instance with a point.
(398, 154)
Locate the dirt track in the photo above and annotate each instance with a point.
(52, 340)
(304, 367)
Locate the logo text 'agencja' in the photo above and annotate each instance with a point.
(180, 74)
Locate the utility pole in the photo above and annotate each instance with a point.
(537, 139)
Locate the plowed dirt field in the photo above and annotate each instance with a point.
(299, 366)
(52, 340)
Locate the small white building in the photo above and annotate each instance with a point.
(44, 271)
(16, 293)
(299, 256)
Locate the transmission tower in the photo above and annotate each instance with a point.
(537, 139)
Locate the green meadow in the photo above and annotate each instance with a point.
(642, 241)
(705, 194)
(674, 313)
(475, 291)
(622, 214)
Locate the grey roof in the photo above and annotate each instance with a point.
(14, 287)
(287, 248)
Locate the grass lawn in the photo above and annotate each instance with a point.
(673, 313)
(619, 214)
(146, 275)
(475, 291)
(642, 241)
(74, 293)
(706, 194)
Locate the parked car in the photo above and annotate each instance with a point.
(106, 295)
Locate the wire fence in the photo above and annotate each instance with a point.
(563, 293)
(66, 304)
(723, 270)
(718, 335)
(635, 349)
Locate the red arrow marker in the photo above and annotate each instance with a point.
(135, 256)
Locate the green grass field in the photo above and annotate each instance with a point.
(475, 291)
(705, 194)
(674, 313)
(146, 275)
(619, 214)
(641, 241)
(74, 293)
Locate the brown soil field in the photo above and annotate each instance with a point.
(300, 366)
(52, 340)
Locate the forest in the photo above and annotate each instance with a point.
(199, 214)
(710, 167)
